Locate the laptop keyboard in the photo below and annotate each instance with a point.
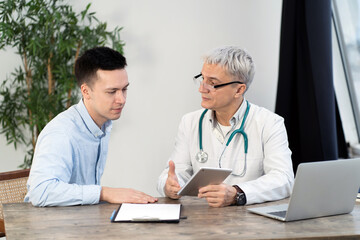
(279, 213)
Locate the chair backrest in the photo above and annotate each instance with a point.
(12, 190)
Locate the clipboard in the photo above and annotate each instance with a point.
(205, 176)
(147, 213)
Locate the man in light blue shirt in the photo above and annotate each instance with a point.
(71, 150)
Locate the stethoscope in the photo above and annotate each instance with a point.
(202, 156)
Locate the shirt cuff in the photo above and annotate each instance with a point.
(91, 194)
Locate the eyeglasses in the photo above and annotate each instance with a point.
(200, 81)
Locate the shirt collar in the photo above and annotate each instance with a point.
(89, 122)
(236, 118)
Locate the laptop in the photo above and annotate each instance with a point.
(320, 189)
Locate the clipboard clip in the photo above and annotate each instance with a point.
(145, 219)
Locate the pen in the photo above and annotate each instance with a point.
(112, 215)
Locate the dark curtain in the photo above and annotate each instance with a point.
(305, 96)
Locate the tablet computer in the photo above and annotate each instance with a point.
(205, 176)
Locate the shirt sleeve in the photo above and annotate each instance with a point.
(51, 171)
(181, 158)
(278, 178)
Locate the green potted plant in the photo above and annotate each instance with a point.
(48, 36)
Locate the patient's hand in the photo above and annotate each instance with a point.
(125, 195)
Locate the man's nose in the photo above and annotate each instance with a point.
(120, 97)
(202, 88)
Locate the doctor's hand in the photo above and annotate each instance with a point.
(125, 195)
(218, 195)
(172, 185)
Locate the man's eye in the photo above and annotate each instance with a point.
(112, 92)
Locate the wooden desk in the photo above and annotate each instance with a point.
(23, 221)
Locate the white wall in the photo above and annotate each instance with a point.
(165, 41)
(9, 158)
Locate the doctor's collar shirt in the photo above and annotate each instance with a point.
(269, 175)
(69, 160)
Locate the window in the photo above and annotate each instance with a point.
(346, 46)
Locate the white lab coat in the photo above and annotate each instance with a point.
(269, 175)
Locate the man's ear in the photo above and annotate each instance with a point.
(240, 90)
(85, 91)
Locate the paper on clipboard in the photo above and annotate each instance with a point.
(130, 212)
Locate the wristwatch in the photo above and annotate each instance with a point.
(240, 198)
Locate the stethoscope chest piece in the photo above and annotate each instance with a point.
(201, 156)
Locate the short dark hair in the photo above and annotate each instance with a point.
(103, 58)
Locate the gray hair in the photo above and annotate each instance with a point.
(235, 60)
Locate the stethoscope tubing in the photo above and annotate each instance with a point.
(202, 156)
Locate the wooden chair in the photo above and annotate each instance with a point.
(12, 190)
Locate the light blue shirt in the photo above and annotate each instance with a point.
(69, 160)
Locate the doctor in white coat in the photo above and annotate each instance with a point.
(230, 133)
